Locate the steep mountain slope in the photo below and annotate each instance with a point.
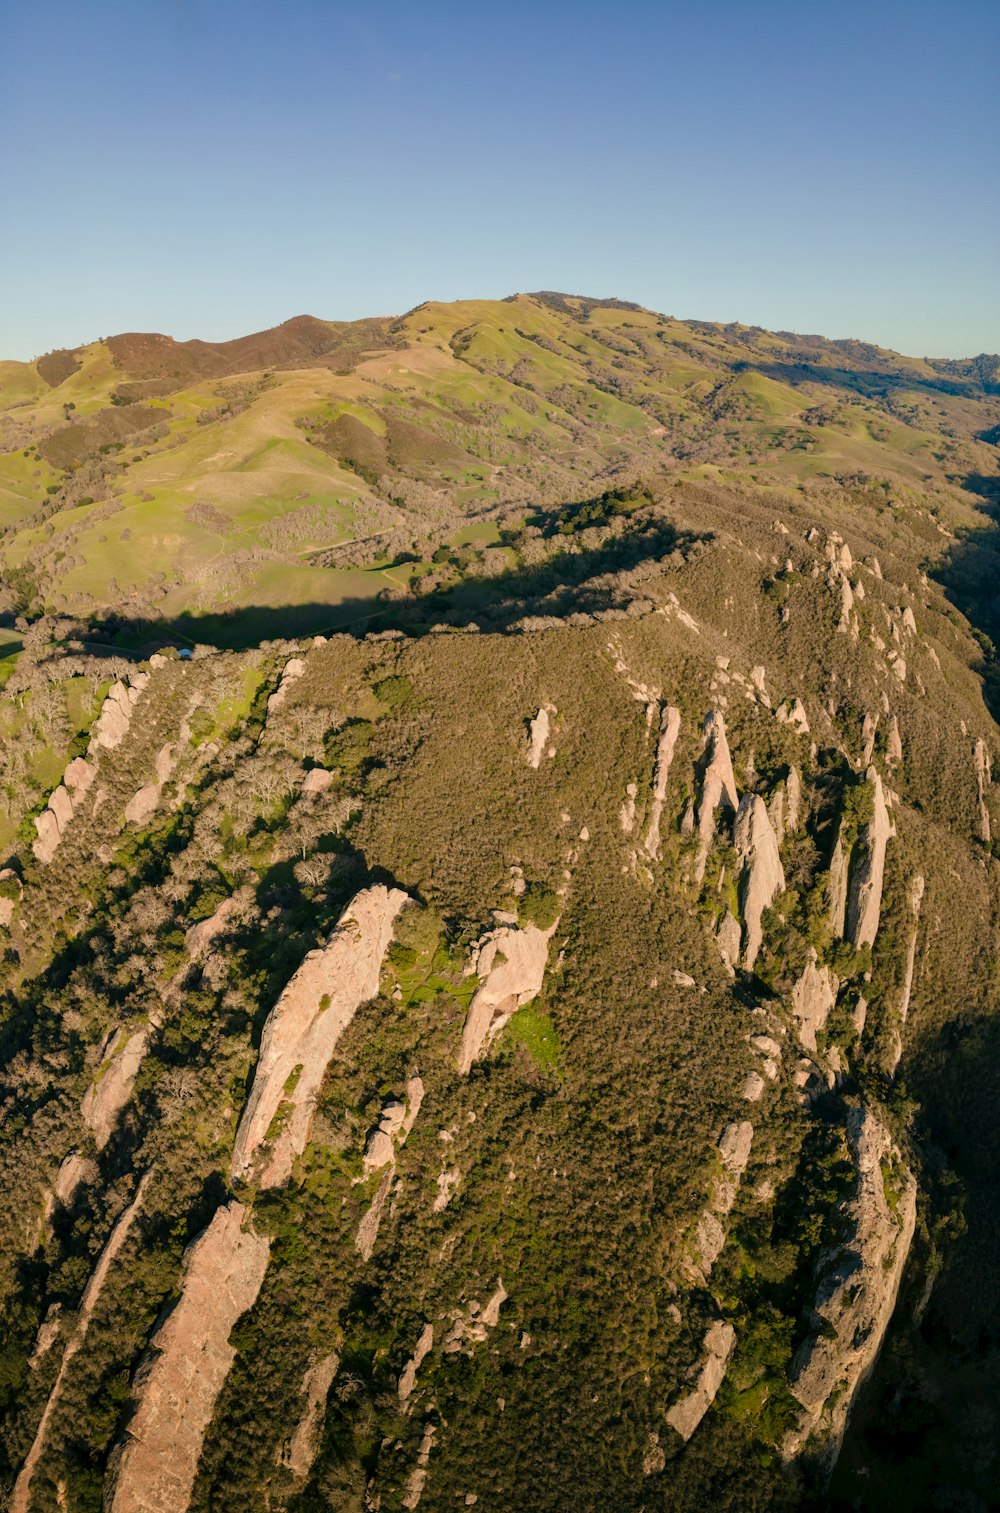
(537, 1051)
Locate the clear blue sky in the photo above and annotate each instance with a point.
(211, 167)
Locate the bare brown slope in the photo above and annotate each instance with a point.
(302, 341)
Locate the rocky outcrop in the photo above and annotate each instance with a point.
(298, 1453)
(143, 804)
(793, 712)
(301, 1033)
(367, 1234)
(670, 724)
(63, 801)
(710, 1231)
(200, 937)
(290, 675)
(111, 725)
(538, 736)
(984, 776)
(21, 1497)
(762, 877)
(472, 1325)
(408, 1376)
(109, 730)
(718, 785)
(112, 1087)
(813, 997)
(857, 1291)
(687, 1414)
(864, 898)
(893, 743)
(511, 966)
(914, 899)
(395, 1123)
(837, 885)
(178, 1384)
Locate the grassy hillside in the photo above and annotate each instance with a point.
(461, 589)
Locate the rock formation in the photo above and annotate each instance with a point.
(857, 1290)
(915, 897)
(510, 965)
(670, 724)
(301, 1033)
(21, 1498)
(710, 1232)
(112, 1087)
(178, 1384)
(864, 899)
(408, 1376)
(813, 996)
(113, 722)
(718, 785)
(539, 736)
(298, 1454)
(291, 673)
(984, 777)
(687, 1414)
(762, 877)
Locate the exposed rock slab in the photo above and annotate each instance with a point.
(511, 966)
(687, 1414)
(670, 724)
(300, 1452)
(813, 997)
(112, 1088)
(21, 1498)
(864, 899)
(301, 1033)
(178, 1385)
(763, 878)
(538, 735)
(858, 1290)
(408, 1376)
(718, 786)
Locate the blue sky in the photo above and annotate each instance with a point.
(208, 168)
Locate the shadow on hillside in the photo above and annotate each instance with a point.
(969, 573)
(871, 382)
(927, 1417)
(572, 581)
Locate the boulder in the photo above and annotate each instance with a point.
(317, 780)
